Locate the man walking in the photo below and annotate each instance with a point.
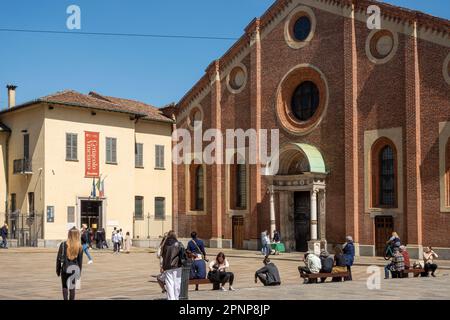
(85, 242)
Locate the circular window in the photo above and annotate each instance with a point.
(195, 117)
(300, 27)
(305, 101)
(237, 79)
(302, 99)
(446, 69)
(381, 46)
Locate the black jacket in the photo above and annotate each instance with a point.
(327, 264)
(62, 260)
(272, 274)
(172, 254)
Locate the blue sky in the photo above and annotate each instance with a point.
(156, 71)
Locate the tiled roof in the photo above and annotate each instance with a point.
(99, 102)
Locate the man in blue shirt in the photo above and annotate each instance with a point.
(197, 248)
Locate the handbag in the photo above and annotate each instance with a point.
(214, 276)
(198, 248)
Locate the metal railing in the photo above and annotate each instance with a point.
(23, 166)
(26, 228)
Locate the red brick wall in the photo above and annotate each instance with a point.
(381, 100)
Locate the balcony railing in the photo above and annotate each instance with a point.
(23, 166)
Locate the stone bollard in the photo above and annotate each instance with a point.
(185, 274)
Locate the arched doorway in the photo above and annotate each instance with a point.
(298, 176)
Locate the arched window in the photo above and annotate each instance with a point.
(238, 186)
(387, 177)
(384, 174)
(447, 173)
(241, 186)
(305, 101)
(197, 187)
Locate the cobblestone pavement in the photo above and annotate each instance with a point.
(30, 274)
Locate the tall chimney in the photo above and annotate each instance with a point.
(11, 95)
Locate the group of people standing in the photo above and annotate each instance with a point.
(266, 242)
(400, 260)
(120, 242)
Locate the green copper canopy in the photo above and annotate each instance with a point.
(316, 162)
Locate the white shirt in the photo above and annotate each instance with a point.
(222, 267)
(313, 263)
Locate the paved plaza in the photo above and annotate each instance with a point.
(30, 274)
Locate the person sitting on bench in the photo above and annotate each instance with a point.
(398, 264)
(340, 265)
(313, 265)
(327, 263)
(198, 268)
(268, 275)
(406, 259)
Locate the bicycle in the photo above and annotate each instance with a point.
(388, 253)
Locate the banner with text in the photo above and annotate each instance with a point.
(92, 154)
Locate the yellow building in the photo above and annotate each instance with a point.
(71, 159)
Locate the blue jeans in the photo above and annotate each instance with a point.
(4, 243)
(387, 271)
(86, 250)
(266, 249)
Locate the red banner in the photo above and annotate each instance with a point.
(92, 147)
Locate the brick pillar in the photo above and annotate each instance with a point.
(351, 128)
(413, 146)
(174, 185)
(216, 177)
(253, 31)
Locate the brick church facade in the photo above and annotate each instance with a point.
(364, 123)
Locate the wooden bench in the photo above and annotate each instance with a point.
(198, 282)
(316, 276)
(416, 272)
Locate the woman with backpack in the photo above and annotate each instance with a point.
(172, 260)
(69, 262)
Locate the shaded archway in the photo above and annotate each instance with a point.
(297, 174)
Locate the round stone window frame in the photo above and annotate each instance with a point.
(287, 87)
(378, 33)
(297, 13)
(229, 86)
(446, 69)
(191, 113)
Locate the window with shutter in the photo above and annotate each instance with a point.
(111, 150)
(160, 208)
(139, 208)
(71, 147)
(26, 146)
(159, 155)
(139, 155)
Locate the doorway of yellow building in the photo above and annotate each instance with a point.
(91, 214)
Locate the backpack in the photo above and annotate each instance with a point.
(182, 257)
